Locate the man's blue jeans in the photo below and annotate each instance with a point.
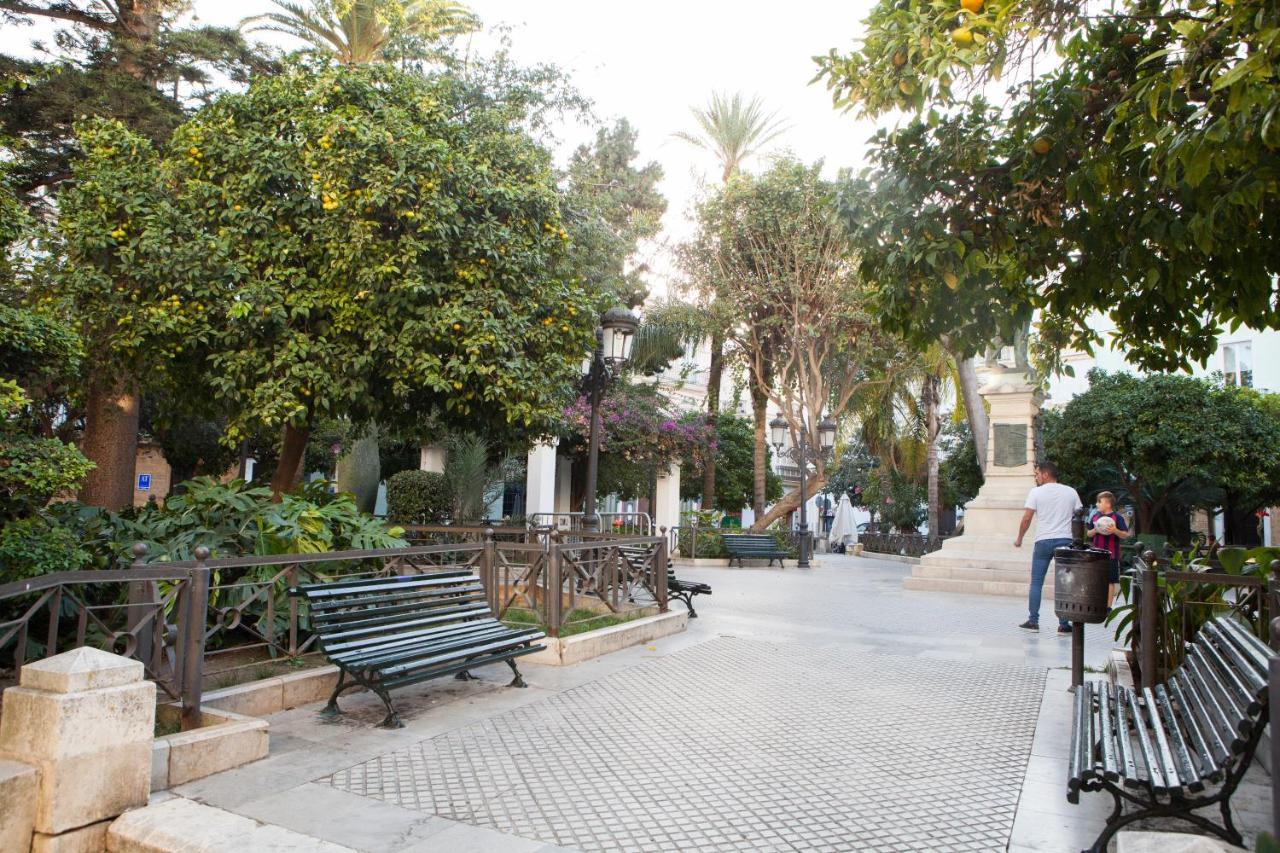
(1041, 557)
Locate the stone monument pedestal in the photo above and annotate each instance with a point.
(983, 559)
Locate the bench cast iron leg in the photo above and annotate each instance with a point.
(465, 675)
(331, 709)
(392, 720)
(518, 681)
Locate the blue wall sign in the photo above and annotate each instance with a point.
(144, 482)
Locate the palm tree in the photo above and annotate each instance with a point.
(356, 32)
(732, 129)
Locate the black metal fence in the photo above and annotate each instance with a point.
(902, 544)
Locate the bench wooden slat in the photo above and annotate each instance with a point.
(1125, 746)
(1182, 760)
(403, 664)
(1253, 677)
(419, 676)
(1076, 753)
(1106, 719)
(415, 595)
(1159, 731)
(1223, 712)
(1153, 774)
(387, 614)
(1224, 689)
(1245, 698)
(402, 650)
(1203, 739)
(357, 653)
(474, 609)
(317, 592)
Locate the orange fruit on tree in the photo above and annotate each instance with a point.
(1042, 146)
(974, 6)
(899, 59)
(962, 36)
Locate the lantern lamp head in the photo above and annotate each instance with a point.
(618, 327)
(827, 433)
(778, 432)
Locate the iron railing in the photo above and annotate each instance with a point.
(1171, 604)
(696, 541)
(618, 523)
(180, 618)
(902, 544)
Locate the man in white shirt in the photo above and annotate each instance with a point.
(1051, 504)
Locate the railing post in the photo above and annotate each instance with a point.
(660, 571)
(141, 604)
(552, 599)
(488, 566)
(693, 546)
(1273, 709)
(1148, 615)
(1273, 597)
(193, 640)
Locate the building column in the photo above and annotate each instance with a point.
(540, 478)
(666, 510)
(432, 458)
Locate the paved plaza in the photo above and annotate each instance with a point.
(819, 710)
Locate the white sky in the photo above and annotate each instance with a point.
(651, 62)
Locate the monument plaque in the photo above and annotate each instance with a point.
(1011, 445)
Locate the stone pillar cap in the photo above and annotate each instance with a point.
(80, 669)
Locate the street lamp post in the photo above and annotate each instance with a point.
(802, 454)
(614, 337)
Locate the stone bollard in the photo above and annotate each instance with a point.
(85, 719)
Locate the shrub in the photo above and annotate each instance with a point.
(419, 497)
(38, 545)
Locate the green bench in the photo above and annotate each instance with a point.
(757, 546)
(391, 632)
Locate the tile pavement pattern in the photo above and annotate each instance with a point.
(740, 745)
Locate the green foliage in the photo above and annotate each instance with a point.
(238, 518)
(32, 470)
(1167, 443)
(419, 497)
(959, 474)
(896, 498)
(733, 129)
(38, 545)
(473, 480)
(611, 205)
(1153, 126)
(371, 254)
(145, 63)
(735, 448)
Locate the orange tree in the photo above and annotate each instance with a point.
(371, 244)
(1134, 174)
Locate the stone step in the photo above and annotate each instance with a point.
(971, 587)
(182, 824)
(977, 562)
(977, 573)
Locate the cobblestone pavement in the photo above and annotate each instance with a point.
(740, 745)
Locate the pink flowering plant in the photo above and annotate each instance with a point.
(640, 427)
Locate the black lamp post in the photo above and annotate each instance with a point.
(614, 337)
(802, 454)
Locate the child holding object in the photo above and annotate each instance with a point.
(1105, 529)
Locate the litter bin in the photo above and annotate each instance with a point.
(1080, 583)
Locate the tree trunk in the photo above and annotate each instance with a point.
(111, 443)
(790, 502)
(289, 468)
(933, 427)
(714, 374)
(979, 423)
(760, 452)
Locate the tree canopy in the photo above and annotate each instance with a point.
(1168, 444)
(1133, 175)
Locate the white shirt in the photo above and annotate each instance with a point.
(1054, 504)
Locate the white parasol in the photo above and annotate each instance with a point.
(843, 526)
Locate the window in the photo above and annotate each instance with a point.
(1237, 364)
